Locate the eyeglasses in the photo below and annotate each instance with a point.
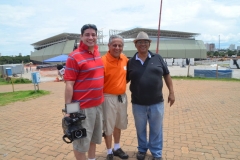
(117, 45)
(142, 42)
(87, 26)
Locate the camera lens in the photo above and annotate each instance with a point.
(78, 134)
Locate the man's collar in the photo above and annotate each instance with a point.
(83, 46)
(149, 55)
(111, 58)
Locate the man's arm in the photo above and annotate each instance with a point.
(69, 91)
(168, 81)
(127, 76)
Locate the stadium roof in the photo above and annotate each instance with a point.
(125, 34)
(173, 44)
(154, 33)
(57, 38)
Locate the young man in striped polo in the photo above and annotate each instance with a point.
(84, 83)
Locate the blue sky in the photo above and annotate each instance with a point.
(23, 22)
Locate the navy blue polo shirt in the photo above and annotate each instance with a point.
(146, 79)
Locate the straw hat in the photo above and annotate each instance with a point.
(142, 36)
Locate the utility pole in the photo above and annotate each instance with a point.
(159, 22)
(219, 42)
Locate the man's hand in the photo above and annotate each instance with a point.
(168, 81)
(66, 115)
(171, 99)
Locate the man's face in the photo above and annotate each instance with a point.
(89, 37)
(116, 47)
(142, 46)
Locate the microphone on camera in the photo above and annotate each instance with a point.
(61, 69)
(59, 66)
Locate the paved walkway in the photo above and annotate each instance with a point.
(204, 123)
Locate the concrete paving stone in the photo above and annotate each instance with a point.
(40, 155)
(233, 153)
(229, 156)
(20, 154)
(51, 153)
(60, 156)
(192, 155)
(177, 152)
(49, 158)
(27, 157)
(8, 156)
(14, 158)
(209, 156)
(69, 156)
(215, 154)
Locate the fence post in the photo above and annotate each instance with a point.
(188, 70)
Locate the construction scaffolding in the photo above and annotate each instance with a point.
(114, 32)
(100, 36)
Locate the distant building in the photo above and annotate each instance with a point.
(238, 49)
(232, 47)
(207, 46)
(210, 46)
(20, 54)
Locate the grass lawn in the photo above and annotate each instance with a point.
(9, 97)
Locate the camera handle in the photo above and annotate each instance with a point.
(64, 139)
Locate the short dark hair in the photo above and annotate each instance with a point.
(87, 26)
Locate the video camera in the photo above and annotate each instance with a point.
(72, 125)
(61, 69)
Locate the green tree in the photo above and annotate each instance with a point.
(216, 53)
(209, 53)
(238, 53)
(222, 54)
(17, 59)
(230, 52)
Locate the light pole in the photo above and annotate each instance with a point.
(159, 26)
(219, 42)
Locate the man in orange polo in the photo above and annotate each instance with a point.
(115, 99)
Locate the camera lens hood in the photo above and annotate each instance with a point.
(78, 134)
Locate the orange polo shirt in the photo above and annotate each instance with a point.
(115, 71)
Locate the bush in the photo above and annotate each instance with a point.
(9, 80)
(2, 80)
(21, 80)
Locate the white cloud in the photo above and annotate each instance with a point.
(14, 15)
(25, 22)
(227, 11)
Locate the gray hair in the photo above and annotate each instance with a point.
(112, 37)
